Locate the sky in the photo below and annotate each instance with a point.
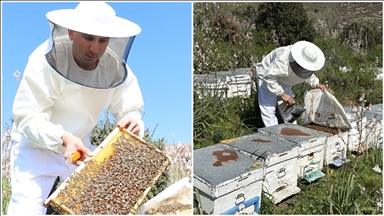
(161, 58)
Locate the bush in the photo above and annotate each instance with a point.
(289, 21)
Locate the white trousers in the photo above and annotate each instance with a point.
(268, 101)
(33, 173)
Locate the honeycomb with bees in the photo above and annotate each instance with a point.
(115, 180)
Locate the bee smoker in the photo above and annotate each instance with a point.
(290, 113)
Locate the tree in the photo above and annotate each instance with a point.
(288, 21)
(361, 36)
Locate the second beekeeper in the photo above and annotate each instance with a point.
(283, 68)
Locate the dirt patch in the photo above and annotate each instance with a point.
(326, 129)
(261, 140)
(224, 156)
(293, 132)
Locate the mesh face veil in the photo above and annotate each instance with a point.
(93, 19)
(118, 48)
(297, 69)
(300, 71)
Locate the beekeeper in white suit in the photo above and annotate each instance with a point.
(69, 80)
(283, 68)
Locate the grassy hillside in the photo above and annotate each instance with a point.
(347, 12)
(226, 37)
(340, 12)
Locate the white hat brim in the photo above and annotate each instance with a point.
(69, 19)
(296, 52)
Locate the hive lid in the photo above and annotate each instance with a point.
(377, 115)
(324, 109)
(218, 165)
(261, 144)
(294, 133)
(377, 108)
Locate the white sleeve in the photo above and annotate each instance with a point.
(128, 100)
(313, 81)
(277, 68)
(32, 108)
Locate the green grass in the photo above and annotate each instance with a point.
(339, 192)
(6, 194)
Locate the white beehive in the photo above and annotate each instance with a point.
(374, 126)
(335, 151)
(280, 158)
(228, 182)
(227, 84)
(357, 133)
(311, 143)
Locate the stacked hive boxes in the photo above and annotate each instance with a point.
(357, 132)
(280, 159)
(335, 152)
(228, 182)
(311, 147)
(374, 128)
(229, 176)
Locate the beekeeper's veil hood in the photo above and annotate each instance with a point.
(94, 18)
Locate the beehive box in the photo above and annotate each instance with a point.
(374, 127)
(280, 158)
(357, 134)
(115, 180)
(227, 181)
(335, 152)
(311, 143)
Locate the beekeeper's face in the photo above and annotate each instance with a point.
(87, 49)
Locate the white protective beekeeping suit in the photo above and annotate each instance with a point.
(276, 75)
(53, 99)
